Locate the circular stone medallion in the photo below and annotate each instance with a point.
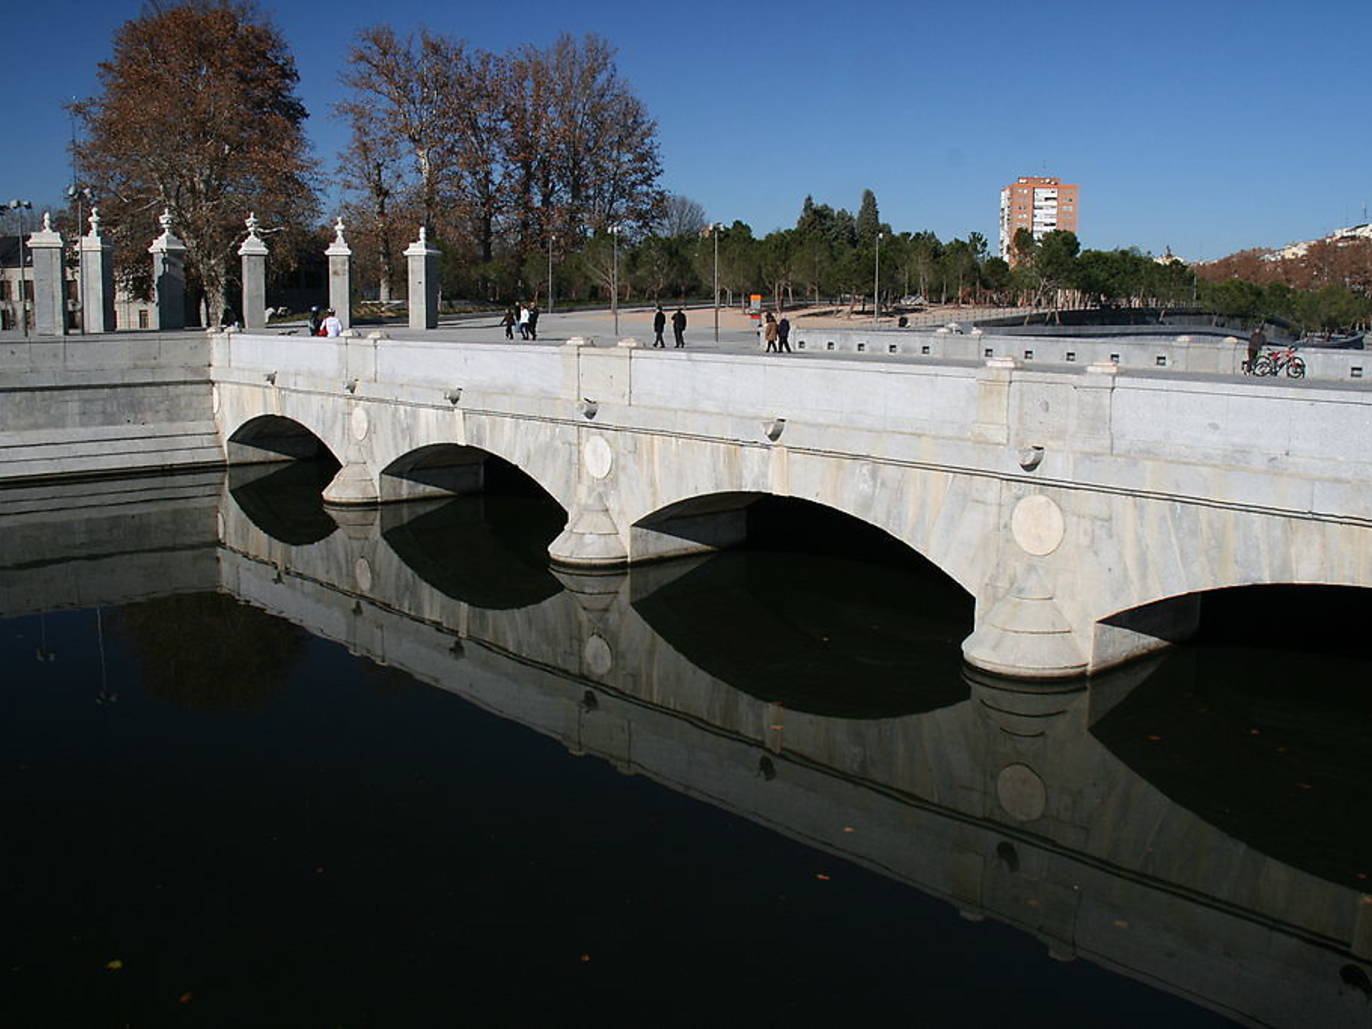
(359, 424)
(1021, 792)
(597, 457)
(1037, 525)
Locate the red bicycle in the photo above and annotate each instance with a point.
(1274, 362)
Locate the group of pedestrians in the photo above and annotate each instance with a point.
(777, 334)
(678, 327)
(525, 318)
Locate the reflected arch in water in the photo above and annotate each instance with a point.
(1258, 724)
(286, 500)
(489, 548)
(812, 610)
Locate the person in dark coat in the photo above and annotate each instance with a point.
(316, 320)
(1255, 344)
(679, 327)
(784, 335)
(509, 322)
(533, 320)
(659, 323)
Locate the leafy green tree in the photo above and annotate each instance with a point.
(1233, 298)
(995, 277)
(868, 222)
(925, 253)
(776, 261)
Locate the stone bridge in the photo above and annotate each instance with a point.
(1086, 511)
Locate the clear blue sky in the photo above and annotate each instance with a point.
(1206, 126)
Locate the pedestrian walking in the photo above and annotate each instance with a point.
(523, 322)
(316, 320)
(508, 320)
(679, 327)
(659, 323)
(332, 326)
(784, 335)
(533, 320)
(769, 332)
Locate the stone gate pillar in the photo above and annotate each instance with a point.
(49, 284)
(254, 255)
(97, 279)
(169, 276)
(423, 303)
(340, 257)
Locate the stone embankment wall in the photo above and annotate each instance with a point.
(74, 406)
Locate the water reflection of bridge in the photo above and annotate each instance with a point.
(1003, 799)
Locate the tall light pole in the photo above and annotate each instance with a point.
(77, 194)
(551, 240)
(715, 229)
(20, 206)
(876, 284)
(614, 276)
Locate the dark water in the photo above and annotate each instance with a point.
(260, 768)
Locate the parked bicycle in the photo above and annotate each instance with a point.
(1274, 362)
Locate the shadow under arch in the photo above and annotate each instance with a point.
(1260, 725)
(271, 437)
(487, 549)
(816, 611)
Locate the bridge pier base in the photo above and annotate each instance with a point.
(353, 484)
(591, 538)
(1026, 635)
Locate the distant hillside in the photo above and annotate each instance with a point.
(1344, 257)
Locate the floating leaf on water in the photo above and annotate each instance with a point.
(185, 998)
(113, 966)
(821, 875)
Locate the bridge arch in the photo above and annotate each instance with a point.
(941, 518)
(275, 437)
(1158, 590)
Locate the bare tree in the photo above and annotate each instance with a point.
(197, 114)
(372, 170)
(408, 88)
(681, 216)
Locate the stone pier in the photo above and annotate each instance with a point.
(254, 256)
(97, 279)
(49, 282)
(169, 276)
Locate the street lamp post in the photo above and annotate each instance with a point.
(876, 283)
(715, 228)
(614, 276)
(20, 206)
(78, 194)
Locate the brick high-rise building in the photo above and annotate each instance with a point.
(1039, 203)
